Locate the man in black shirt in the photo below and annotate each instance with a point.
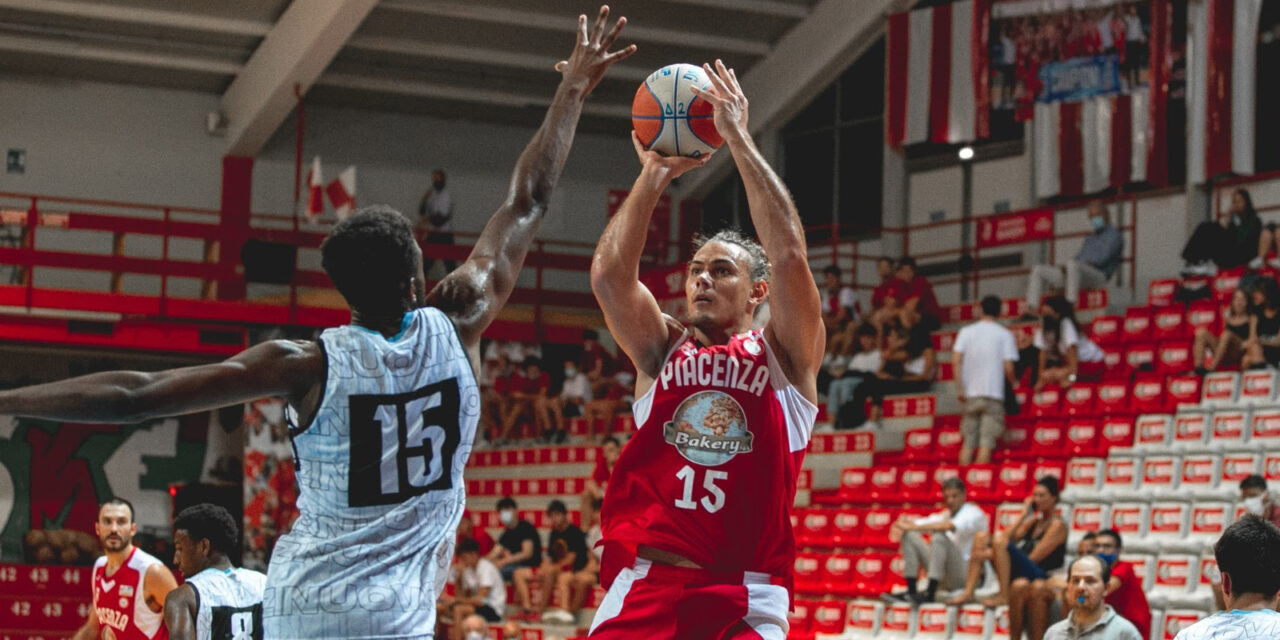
(566, 552)
(519, 547)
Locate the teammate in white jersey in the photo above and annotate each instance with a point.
(385, 408)
(1248, 555)
(218, 601)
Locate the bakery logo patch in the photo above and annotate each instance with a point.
(709, 428)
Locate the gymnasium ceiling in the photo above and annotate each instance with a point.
(479, 60)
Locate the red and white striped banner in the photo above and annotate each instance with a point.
(1085, 147)
(1222, 44)
(937, 74)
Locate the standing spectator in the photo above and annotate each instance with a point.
(467, 531)
(435, 215)
(1124, 589)
(1066, 356)
(1098, 259)
(1091, 617)
(1263, 346)
(1248, 555)
(566, 553)
(1135, 47)
(887, 295)
(947, 555)
(1255, 498)
(599, 480)
(849, 371)
(519, 545)
(908, 366)
(479, 588)
(1227, 348)
(919, 304)
(1234, 241)
(575, 393)
(984, 354)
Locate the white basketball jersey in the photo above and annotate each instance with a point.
(230, 604)
(380, 485)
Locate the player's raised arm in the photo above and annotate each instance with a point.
(630, 310)
(474, 293)
(796, 323)
(277, 368)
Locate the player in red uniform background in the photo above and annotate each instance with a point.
(696, 521)
(129, 585)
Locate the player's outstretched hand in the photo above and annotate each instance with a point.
(670, 167)
(726, 97)
(591, 56)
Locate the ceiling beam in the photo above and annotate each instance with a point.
(477, 55)
(306, 38)
(95, 53)
(548, 22)
(771, 8)
(141, 16)
(803, 63)
(497, 97)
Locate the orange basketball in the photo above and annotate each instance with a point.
(669, 118)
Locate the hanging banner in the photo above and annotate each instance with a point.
(1013, 228)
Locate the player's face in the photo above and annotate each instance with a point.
(115, 527)
(190, 556)
(718, 286)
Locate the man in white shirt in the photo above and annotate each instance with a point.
(983, 358)
(435, 217)
(575, 393)
(947, 556)
(1248, 555)
(479, 587)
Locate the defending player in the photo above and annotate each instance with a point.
(696, 521)
(129, 584)
(384, 410)
(218, 601)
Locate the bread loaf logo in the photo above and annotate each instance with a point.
(709, 428)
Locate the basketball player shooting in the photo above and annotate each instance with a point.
(383, 410)
(696, 522)
(130, 586)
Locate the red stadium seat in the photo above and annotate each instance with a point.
(1113, 360)
(918, 445)
(808, 573)
(941, 473)
(1079, 399)
(980, 483)
(1056, 468)
(846, 528)
(801, 618)
(894, 573)
(1117, 431)
(1203, 314)
(1105, 330)
(1174, 357)
(828, 616)
(1226, 283)
(1082, 437)
(1137, 324)
(1014, 480)
(855, 485)
(876, 526)
(815, 528)
(1169, 323)
(948, 443)
(1160, 292)
(1048, 439)
(1047, 402)
(1016, 444)
(1149, 393)
(1183, 389)
(916, 485)
(1139, 356)
(869, 573)
(884, 485)
(838, 574)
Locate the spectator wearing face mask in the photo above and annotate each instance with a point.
(1099, 257)
(519, 545)
(1124, 588)
(1257, 500)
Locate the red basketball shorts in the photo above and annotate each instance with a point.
(656, 601)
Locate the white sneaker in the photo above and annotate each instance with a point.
(1274, 262)
(870, 425)
(1256, 263)
(558, 616)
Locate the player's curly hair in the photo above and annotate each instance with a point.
(759, 262)
(210, 522)
(371, 257)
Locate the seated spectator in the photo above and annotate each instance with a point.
(984, 355)
(839, 303)
(467, 531)
(1057, 582)
(944, 558)
(1255, 499)
(576, 587)
(1234, 241)
(919, 305)
(1227, 348)
(1248, 555)
(886, 297)
(848, 371)
(494, 388)
(1023, 557)
(479, 588)
(1097, 260)
(599, 480)
(1263, 346)
(1124, 589)
(1092, 617)
(575, 393)
(1066, 356)
(527, 394)
(566, 553)
(474, 627)
(908, 366)
(519, 545)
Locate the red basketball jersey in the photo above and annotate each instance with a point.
(711, 472)
(121, 603)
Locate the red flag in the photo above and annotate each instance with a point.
(342, 192)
